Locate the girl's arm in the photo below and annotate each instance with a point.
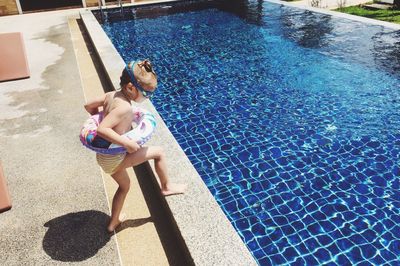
(111, 120)
(92, 107)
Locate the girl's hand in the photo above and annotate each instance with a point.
(131, 146)
(92, 107)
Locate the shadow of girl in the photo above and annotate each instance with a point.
(76, 236)
(79, 236)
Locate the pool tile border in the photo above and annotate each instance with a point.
(206, 231)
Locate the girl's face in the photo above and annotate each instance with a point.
(143, 80)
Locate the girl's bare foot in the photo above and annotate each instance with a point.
(172, 189)
(114, 224)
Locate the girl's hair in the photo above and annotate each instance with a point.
(124, 79)
(144, 65)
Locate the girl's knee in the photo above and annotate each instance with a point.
(125, 186)
(122, 179)
(160, 153)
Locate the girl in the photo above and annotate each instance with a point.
(138, 83)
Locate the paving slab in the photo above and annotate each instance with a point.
(59, 204)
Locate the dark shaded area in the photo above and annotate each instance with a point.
(104, 80)
(29, 5)
(396, 4)
(170, 236)
(386, 50)
(133, 223)
(76, 236)
(251, 11)
(79, 236)
(306, 28)
(150, 11)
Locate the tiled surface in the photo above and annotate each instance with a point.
(291, 118)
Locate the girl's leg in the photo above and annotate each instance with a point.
(122, 178)
(157, 153)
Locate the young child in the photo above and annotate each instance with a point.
(138, 82)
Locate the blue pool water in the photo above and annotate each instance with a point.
(290, 117)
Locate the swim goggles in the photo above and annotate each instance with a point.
(147, 94)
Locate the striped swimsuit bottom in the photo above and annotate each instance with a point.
(110, 162)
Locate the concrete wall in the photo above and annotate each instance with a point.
(95, 3)
(8, 7)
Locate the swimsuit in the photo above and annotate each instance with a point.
(110, 162)
(99, 142)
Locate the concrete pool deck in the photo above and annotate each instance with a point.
(60, 204)
(59, 208)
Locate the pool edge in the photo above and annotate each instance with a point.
(206, 231)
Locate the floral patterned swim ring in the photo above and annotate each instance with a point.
(145, 125)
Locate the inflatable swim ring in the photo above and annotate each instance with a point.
(145, 125)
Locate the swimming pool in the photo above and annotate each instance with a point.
(290, 117)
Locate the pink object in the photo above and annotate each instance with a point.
(13, 62)
(5, 201)
(145, 124)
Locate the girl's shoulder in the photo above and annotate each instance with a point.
(110, 95)
(120, 104)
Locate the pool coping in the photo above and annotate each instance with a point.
(205, 230)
